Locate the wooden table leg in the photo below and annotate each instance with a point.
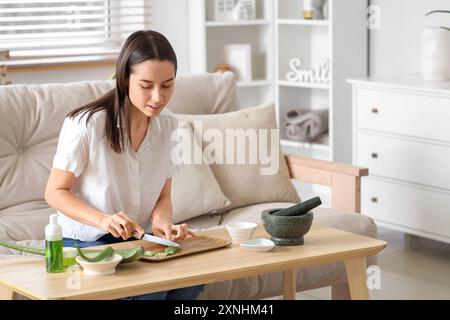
(289, 285)
(357, 278)
(340, 291)
(7, 294)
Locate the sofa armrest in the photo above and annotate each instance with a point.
(344, 179)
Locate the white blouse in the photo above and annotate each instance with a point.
(112, 182)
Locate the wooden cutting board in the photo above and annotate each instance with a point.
(190, 245)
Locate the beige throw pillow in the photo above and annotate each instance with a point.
(195, 190)
(244, 184)
(191, 97)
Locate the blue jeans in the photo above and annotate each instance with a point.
(189, 293)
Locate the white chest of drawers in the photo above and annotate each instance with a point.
(401, 132)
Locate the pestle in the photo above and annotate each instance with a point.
(300, 208)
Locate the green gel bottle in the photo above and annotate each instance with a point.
(54, 246)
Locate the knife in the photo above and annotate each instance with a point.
(158, 240)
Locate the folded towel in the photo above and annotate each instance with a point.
(306, 125)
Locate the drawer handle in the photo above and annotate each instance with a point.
(374, 199)
(374, 110)
(374, 155)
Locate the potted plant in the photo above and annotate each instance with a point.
(436, 51)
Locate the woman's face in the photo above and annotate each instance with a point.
(151, 86)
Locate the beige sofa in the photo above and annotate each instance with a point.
(32, 115)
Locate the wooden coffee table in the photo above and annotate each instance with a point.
(323, 245)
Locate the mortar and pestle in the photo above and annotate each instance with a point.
(287, 226)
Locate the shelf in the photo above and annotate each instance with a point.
(255, 83)
(285, 83)
(305, 145)
(302, 22)
(258, 22)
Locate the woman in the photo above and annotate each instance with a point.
(112, 169)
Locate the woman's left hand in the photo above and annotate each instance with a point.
(165, 229)
(181, 231)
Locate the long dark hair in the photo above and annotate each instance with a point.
(140, 46)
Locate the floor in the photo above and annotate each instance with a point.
(411, 268)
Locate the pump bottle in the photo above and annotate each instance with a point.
(54, 246)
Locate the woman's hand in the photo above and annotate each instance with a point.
(120, 225)
(162, 218)
(180, 232)
(164, 228)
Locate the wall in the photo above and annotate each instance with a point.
(171, 19)
(396, 48)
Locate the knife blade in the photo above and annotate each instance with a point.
(158, 240)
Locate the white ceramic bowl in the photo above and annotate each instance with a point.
(259, 244)
(103, 267)
(241, 231)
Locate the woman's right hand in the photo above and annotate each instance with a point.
(120, 225)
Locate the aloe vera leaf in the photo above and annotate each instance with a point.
(105, 253)
(22, 248)
(131, 255)
(128, 255)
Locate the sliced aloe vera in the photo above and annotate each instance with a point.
(167, 252)
(171, 250)
(150, 253)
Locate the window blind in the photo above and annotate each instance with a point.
(57, 31)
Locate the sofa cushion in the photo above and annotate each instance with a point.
(204, 223)
(246, 182)
(194, 181)
(24, 221)
(204, 94)
(31, 117)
